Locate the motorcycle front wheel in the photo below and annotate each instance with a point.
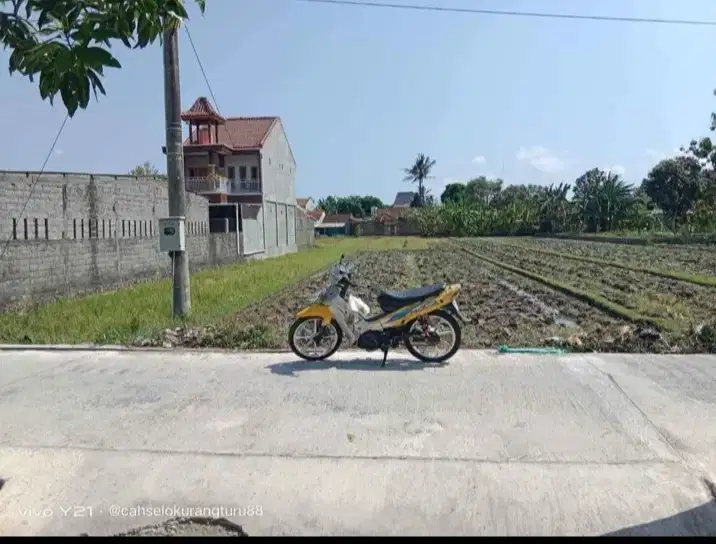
(424, 339)
(311, 341)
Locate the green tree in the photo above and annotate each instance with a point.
(418, 173)
(145, 170)
(601, 200)
(674, 185)
(358, 206)
(519, 195)
(367, 203)
(65, 43)
(483, 191)
(454, 193)
(554, 208)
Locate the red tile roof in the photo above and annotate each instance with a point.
(242, 132)
(337, 218)
(201, 109)
(246, 132)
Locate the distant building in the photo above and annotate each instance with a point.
(404, 199)
(306, 204)
(237, 159)
(309, 208)
(334, 224)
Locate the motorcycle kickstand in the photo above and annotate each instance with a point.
(385, 356)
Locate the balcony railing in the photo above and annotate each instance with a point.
(220, 184)
(243, 186)
(214, 184)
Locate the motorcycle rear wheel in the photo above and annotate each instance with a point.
(333, 329)
(447, 318)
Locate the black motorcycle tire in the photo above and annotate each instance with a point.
(458, 340)
(296, 351)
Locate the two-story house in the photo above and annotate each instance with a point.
(237, 159)
(242, 160)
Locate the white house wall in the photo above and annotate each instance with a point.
(247, 160)
(278, 167)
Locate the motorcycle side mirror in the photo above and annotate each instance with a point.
(343, 258)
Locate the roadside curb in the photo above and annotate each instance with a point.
(91, 347)
(150, 349)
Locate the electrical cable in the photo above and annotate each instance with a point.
(540, 15)
(34, 184)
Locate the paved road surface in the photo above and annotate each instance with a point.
(489, 445)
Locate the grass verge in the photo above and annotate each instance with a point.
(120, 317)
(696, 279)
(590, 298)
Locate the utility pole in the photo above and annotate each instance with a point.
(181, 288)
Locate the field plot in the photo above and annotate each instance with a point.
(685, 259)
(505, 308)
(678, 306)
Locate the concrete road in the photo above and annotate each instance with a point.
(102, 442)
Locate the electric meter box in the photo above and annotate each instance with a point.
(171, 234)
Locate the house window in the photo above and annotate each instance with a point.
(221, 161)
(191, 172)
(254, 173)
(232, 172)
(242, 172)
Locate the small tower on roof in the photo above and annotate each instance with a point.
(203, 122)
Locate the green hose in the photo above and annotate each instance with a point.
(537, 351)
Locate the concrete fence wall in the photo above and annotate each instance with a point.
(72, 233)
(42, 270)
(305, 230)
(375, 228)
(276, 230)
(252, 228)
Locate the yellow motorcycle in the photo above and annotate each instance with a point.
(421, 319)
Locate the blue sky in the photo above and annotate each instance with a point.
(361, 91)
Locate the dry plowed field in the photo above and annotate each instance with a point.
(659, 314)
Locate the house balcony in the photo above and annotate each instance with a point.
(222, 185)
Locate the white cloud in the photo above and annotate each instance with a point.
(529, 153)
(479, 160)
(617, 169)
(58, 152)
(653, 153)
(542, 159)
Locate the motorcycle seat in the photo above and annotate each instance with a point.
(392, 300)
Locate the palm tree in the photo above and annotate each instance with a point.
(554, 207)
(603, 199)
(615, 198)
(418, 173)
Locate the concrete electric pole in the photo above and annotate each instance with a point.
(181, 288)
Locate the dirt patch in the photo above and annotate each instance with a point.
(697, 259)
(188, 527)
(509, 309)
(505, 308)
(373, 272)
